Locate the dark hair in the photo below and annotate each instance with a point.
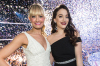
(70, 28)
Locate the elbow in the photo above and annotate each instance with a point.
(79, 60)
(52, 64)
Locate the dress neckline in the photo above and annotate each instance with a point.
(58, 40)
(39, 42)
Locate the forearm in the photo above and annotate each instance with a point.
(79, 61)
(51, 59)
(3, 62)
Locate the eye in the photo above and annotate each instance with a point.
(40, 16)
(33, 16)
(67, 17)
(60, 16)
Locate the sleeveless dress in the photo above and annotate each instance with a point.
(36, 55)
(63, 51)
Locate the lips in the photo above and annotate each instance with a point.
(63, 23)
(37, 23)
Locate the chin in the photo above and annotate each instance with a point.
(38, 27)
(64, 27)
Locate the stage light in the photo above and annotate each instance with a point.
(11, 6)
(15, 12)
(16, 6)
(20, 59)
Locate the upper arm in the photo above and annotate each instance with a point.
(78, 47)
(12, 46)
(78, 52)
(51, 57)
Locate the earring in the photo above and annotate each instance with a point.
(67, 28)
(55, 28)
(54, 22)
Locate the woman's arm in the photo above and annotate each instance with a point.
(51, 59)
(78, 53)
(10, 48)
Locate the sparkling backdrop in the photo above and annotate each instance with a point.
(85, 15)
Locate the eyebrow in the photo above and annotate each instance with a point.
(61, 14)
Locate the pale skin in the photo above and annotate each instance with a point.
(21, 39)
(62, 17)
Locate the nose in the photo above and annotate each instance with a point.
(64, 18)
(37, 18)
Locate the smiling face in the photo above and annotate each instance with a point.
(37, 21)
(62, 19)
(36, 16)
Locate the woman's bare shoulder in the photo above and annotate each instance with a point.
(50, 38)
(21, 35)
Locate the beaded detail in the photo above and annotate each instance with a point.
(65, 62)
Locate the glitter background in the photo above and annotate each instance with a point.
(85, 15)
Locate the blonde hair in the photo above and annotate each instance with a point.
(35, 9)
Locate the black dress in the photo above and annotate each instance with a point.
(63, 50)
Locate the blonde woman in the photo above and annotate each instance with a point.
(35, 46)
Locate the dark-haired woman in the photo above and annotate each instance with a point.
(65, 40)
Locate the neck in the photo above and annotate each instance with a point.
(60, 31)
(36, 31)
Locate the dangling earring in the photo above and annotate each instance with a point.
(56, 28)
(67, 27)
(54, 22)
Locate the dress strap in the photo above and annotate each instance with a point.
(27, 35)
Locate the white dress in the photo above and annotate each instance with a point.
(36, 55)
